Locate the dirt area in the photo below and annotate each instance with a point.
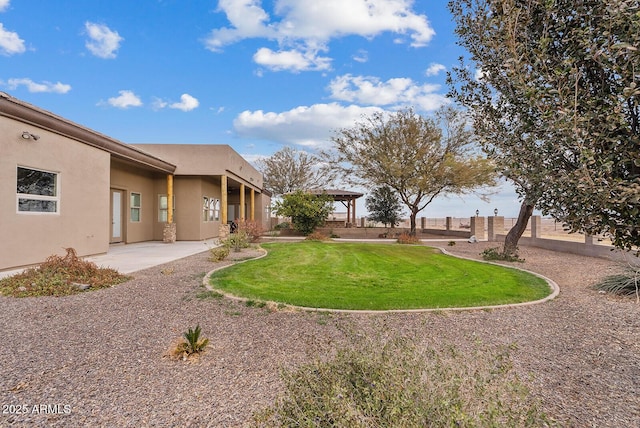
(99, 358)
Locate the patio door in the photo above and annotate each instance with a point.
(117, 210)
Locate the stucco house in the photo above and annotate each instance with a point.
(64, 185)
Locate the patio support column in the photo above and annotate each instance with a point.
(348, 213)
(169, 198)
(252, 206)
(242, 202)
(169, 232)
(353, 212)
(224, 227)
(223, 199)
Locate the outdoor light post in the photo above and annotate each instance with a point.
(495, 212)
(477, 213)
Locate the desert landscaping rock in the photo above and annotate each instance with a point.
(99, 358)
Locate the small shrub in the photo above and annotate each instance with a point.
(496, 253)
(218, 254)
(168, 270)
(237, 240)
(255, 304)
(398, 383)
(60, 276)
(316, 236)
(623, 284)
(252, 229)
(283, 225)
(407, 238)
(451, 243)
(192, 345)
(209, 294)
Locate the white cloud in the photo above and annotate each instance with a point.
(394, 92)
(478, 75)
(361, 56)
(304, 125)
(103, 42)
(248, 20)
(312, 24)
(10, 42)
(59, 88)
(434, 69)
(125, 100)
(292, 60)
(158, 104)
(4, 5)
(187, 103)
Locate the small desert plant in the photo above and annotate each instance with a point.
(60, 276)
(626, 283)
(407, 238)
(253, 230)
(218, 254)
(451, 243)
(316, 236)
(237, 240)
(192, 344)
(168, 270)
(399, 383)
(496, 253)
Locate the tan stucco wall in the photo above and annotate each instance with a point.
(132, 179)
(209, 162)
(189, 192)
(83, 180)
(206, 159)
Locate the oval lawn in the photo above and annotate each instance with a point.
(366, 276)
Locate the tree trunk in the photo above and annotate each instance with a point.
(412, 217)
(512, 238)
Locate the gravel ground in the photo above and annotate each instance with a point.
(100, 358)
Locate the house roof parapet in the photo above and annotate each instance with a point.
(24, 112)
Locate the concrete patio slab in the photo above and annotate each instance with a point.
(134, 257)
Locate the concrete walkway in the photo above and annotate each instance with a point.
(134, 257)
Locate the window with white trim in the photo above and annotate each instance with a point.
(163, 208)
(210, 209)
(37, 191)
(135, 207)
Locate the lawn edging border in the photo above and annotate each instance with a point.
(555, 291)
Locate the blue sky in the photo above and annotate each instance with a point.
(257, 75)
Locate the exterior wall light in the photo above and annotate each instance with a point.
(495, 212)
(29, 136)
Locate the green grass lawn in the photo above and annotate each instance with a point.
(374, 277)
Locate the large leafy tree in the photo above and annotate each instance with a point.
(307, 211)
(384, 206)
(289, 170)
(418, 157)
(556, 105)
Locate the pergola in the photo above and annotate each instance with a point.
(347, 198)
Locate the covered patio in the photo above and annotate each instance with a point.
(346, 198)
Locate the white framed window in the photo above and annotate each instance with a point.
(205, 209)
(37, 191)
(163, 208)
(135, 206)
(216, 209)
(210, 209)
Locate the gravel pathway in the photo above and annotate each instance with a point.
(99, 358)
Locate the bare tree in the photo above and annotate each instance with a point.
(418, 157)
(289, 170)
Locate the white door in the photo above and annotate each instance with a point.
(116, 216)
